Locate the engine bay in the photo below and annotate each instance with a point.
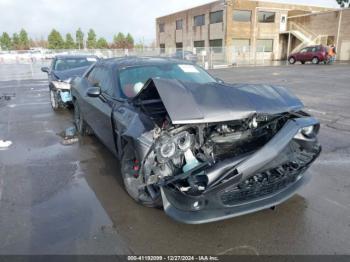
(182, 154)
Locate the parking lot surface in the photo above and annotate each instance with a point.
(69, 199)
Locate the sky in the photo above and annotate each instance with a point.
(106, 17)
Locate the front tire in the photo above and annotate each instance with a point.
(315, 60)
(79, 121)
(134, 182)
(54, 100)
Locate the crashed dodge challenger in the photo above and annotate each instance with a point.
(203, 149)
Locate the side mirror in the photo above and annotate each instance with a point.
(45, 69)
(93, 91)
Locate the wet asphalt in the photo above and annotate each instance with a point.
(69, 199)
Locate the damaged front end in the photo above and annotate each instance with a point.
(63, 91)
(207, 171)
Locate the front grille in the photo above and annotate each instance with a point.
(274, 179)
(262, 184)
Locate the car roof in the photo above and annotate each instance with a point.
(74, 56)
(313, 46)
(130, 61)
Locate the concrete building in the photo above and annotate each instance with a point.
(246, 29)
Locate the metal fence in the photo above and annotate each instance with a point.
(208, 57)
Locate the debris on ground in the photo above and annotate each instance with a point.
(6, 97)
(4, 144)
(70, 136)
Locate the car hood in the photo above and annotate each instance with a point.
(216, 102)
(70, 73)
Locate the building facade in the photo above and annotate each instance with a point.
(328, 28)
(237, 29)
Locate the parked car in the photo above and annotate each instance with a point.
(61, 72)
(314, 54)
(185, 55)
(202, 149)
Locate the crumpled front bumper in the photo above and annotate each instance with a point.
(266, 178)
(66, 96)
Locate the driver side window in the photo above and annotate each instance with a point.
(106, 82)
(100, 76)
(92, 76)
(303, 50)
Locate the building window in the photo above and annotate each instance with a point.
(161, 28)
(199, 20)
(264, 45)
(216, 17)
(242, 16)
(216, 45)
(266, 17)
(179, 24)
(199, 45)
(241, 44)
(162, 48)
(179, 46)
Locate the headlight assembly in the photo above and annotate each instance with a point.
(184, 140)
(308, 131)
(172, 146)
(167, 150)
(62, 85)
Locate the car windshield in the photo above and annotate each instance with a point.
(132, 79)
(62, 64)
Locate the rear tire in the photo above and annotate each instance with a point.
(133, 182)
(291, 60)
(315, 60)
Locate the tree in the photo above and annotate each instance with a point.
(41, 42)
(119, 41)
(139, 45)
(102, 43)
(69, 44)
(91, 39)
(5, 41)
(344, 3)
(129, 41)
(15, 41)
(79, 38)
(23, 40)
(55, 40)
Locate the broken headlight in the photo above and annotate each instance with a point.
(184, 140)
(63, 85)
(167, 150)
(172, 146)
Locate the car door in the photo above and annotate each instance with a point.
(302, 55)
(311, 52)
(99, 109)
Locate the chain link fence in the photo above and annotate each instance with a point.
(208, 57)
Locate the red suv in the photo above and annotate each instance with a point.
(314, 54)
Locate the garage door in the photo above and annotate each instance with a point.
(345, 50)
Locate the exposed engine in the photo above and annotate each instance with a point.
(182, 154)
